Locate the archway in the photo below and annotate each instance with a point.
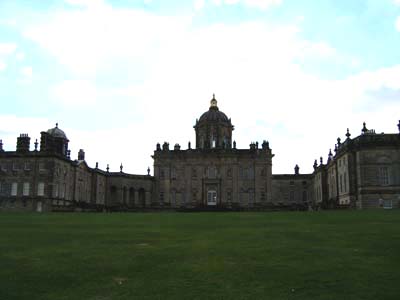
(131, 202)
(113, 194)
(142, 197)
(124, 196)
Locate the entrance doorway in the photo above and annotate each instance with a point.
(212, 198)
(39, 206)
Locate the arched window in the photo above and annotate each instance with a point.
(131, 202)
(124, 195)
(142, 197)
(113, 193)
(304, 196)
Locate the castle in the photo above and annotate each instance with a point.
(364, 172)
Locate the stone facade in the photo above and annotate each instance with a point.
(364, 172)
(292, 191)
(48, 180)
(226, 178)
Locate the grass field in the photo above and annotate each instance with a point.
(285, 255)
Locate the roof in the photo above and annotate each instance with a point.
(214, 114)
(57, 132)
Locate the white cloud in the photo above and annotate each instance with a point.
(396, 2)
(8, 22)
(231, 2)
(7, 48)
(321, 49)
(3, 66)
(20, 56)
(397, 24)
(74, 93)
(216, 2)
(86, 3)
(374, 80)
(250, 66)
(199, 4)
(87, 41)
(262, 4)
(12, 126)
(26, 72)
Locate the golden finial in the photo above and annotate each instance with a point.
(213, 101)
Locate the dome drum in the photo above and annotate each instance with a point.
(213, 129)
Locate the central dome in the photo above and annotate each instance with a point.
(213, 114)
(213, 129)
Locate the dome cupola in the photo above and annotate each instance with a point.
(57, 132)
(213, 129)
(55, 141)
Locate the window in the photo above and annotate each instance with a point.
(213, 141)
(243, 173)
(212, 197)
(173, 173)
(212, 172)
(194, 194)
(27, 166)
(173, 197)
(291, 196)
(61, 191)
(25, 190)
(15, 166)
(229, 195)
(194, 173)
(247, 173)
(42, 166)
(345, 181)
(55, 191)
(40, 191)
(341, 182)
(14, 189)
(251, 173)
(383, 176)
(291, 182)
(251, 196)
(304, 196)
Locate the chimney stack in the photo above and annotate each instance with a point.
(23, 143)
(81, 154)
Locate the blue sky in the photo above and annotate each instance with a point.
(120, 76)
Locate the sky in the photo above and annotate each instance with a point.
(120, 76)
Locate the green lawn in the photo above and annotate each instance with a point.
(285, 255)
